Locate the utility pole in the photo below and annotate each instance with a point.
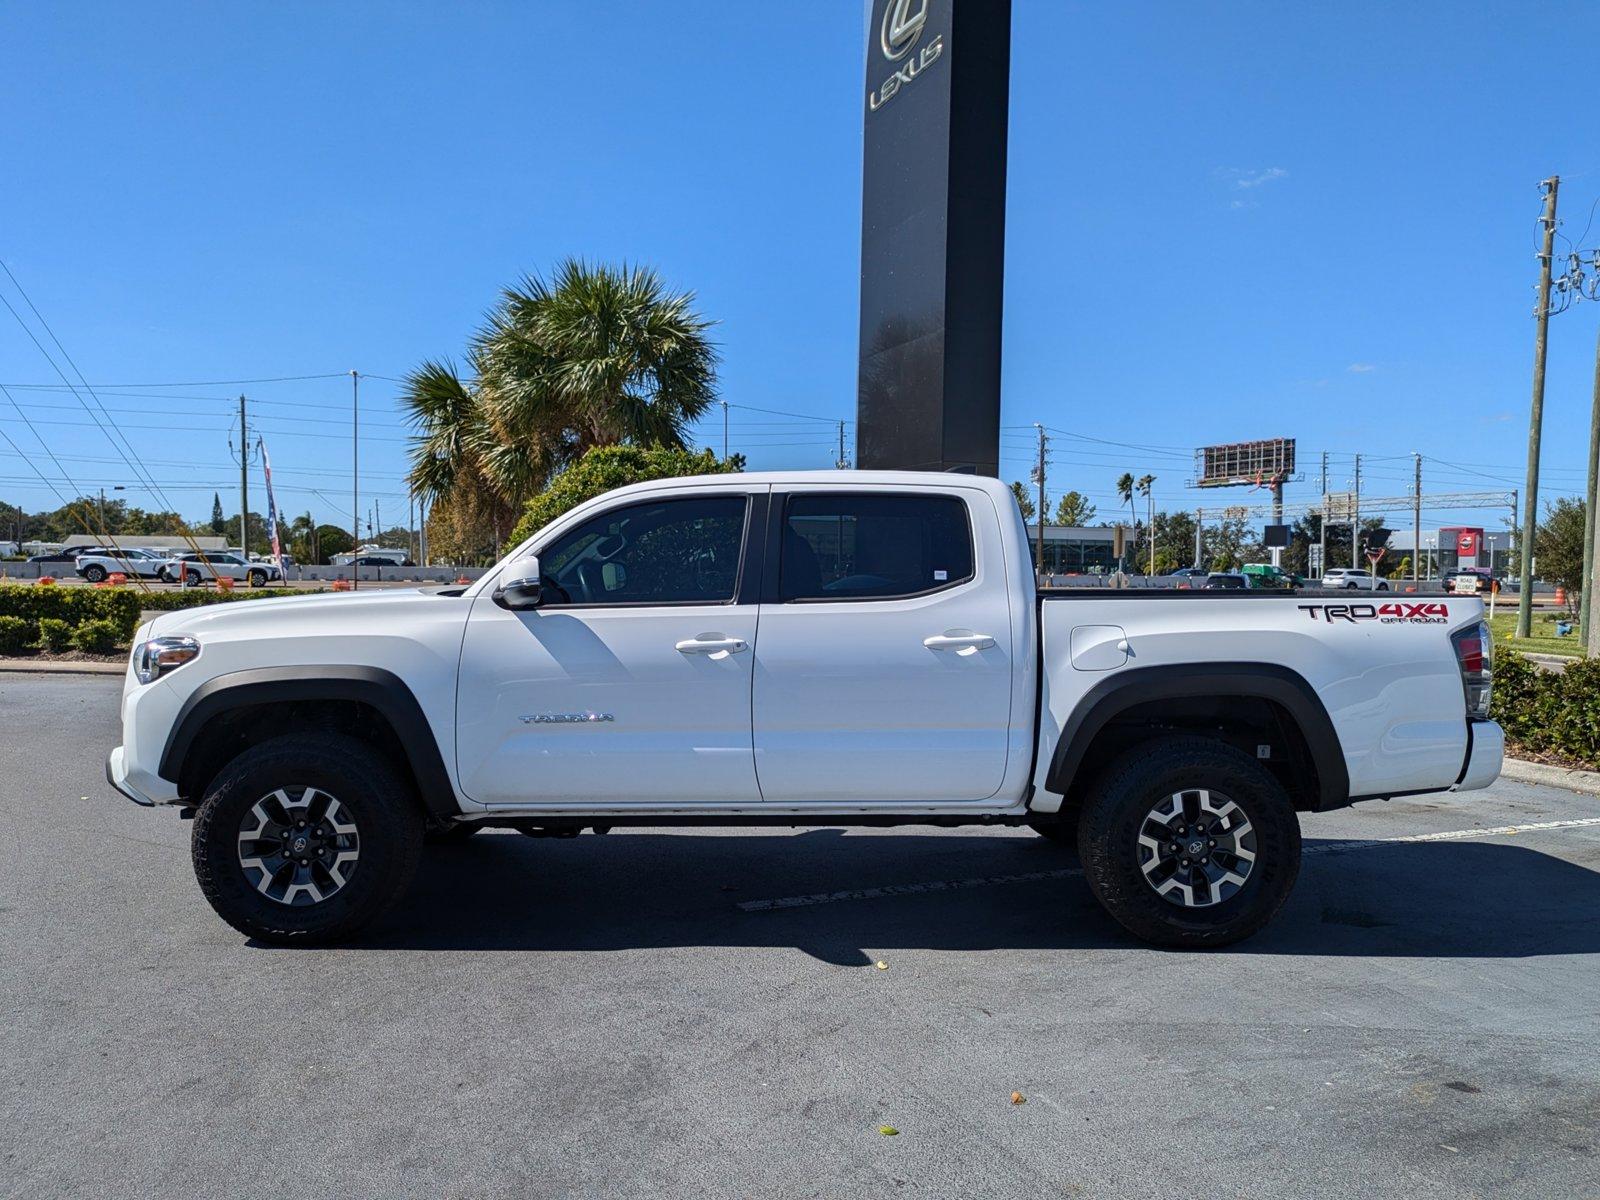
(1586, 621)
(841, 462)
(1511, 531)
(244, 483)
(1530, 501)
(1416, 513)
(1355, 519)
(1150, 509)
(311, 535)
(411, 525)
(355, 473)
(724, 431)
(1038, 477)
(1199, 524)
(1322, 524)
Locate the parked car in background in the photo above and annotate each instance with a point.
(65, 555)
(1265, 575)
(1354, 578)
(96, 565)
(1188, 577)
(198, 567)
(1219, 581)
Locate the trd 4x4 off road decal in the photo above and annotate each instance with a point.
(1395, 612)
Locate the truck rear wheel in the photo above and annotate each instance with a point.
(305, 838)
(1189, 843)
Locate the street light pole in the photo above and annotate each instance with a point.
(1586, 621)
(355, 476)
(1530, 501)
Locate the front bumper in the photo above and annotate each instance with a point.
(1488, 748)
(148, 714)
(117, 777)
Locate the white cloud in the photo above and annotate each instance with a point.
(1246, 179)
(1360, 368)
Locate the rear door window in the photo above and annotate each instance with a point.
(878, 546)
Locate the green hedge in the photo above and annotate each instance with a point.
(74, 605)
(16, 634)
(55, 635)
(1549, 713)
(195, 598)
(96, 637)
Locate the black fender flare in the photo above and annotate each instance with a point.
(1119, 692)
(383, 690)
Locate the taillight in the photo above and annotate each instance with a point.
(1475, 655)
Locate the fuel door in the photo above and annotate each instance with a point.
(1099, 647)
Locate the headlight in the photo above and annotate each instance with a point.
(158, 656)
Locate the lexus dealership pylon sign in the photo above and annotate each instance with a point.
(933, 234)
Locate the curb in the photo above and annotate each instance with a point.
(24, 666)
(1587, 782)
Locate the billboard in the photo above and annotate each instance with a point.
(1241, 463)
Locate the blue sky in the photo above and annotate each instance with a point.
(1226, 221)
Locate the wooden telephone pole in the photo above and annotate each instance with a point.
(1530, 498)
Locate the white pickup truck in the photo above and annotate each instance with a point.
(855, 648)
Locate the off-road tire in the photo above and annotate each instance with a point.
(371, 794)
(94, 573)
(1114, 813)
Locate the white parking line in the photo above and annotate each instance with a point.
(955, 885)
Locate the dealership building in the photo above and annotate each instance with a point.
(1454, 546)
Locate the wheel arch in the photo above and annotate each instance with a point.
(372, 699)
(1246, 690)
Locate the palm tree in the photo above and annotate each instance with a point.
(1144, 484)
(1125, 494)
(596, 356)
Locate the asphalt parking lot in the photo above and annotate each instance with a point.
(671, 1013)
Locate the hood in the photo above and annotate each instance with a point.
(294, 614)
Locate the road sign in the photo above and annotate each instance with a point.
(1339, 508)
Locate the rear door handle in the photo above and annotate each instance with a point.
(712, 644)
(961, 643)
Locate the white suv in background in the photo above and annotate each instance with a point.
(194, 567)
(1354, 578)
(100, 564)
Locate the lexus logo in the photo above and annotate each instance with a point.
(902, 26)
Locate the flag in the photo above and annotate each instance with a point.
(272, 512)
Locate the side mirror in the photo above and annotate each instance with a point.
(523, 592)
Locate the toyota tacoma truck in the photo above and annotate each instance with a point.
(800, 649)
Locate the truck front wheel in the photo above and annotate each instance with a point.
(305, 838)
(1190, 843)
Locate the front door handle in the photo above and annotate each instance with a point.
(961, 643)
(712, 643)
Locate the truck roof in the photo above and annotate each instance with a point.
(845, 478)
